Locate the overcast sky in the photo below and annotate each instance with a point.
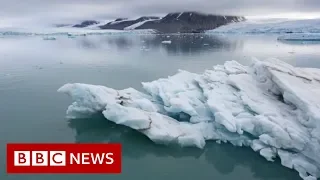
(64, 10)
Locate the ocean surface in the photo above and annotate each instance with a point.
(31, 110)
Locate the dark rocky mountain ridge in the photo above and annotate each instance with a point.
(189, 22)
(184, 22)
(86, 23)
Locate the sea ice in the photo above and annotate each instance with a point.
(270, 106)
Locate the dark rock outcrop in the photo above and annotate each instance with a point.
(121, 23)
(86, 24)
(189, 22)
(121, 19)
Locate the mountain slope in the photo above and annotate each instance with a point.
(188, 22)
(121, 24)
(183, 22)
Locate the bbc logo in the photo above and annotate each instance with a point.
(39, 158)
(63, 158)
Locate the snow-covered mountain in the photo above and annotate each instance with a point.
(187, 22)
(182, 22)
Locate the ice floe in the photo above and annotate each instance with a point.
(270, 106)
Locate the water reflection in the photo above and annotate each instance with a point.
(180, 44)
(224, 158)
(122, 42)
(187, 44)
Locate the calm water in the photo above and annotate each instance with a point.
(31, 71)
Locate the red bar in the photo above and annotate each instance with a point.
(64, 158)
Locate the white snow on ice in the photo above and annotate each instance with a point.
(270, 106)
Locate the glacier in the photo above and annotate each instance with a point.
(288, 30)
(262, 26)
(270, 106)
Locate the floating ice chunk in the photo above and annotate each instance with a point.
(270, 106)
(133, 109)
(166, 42)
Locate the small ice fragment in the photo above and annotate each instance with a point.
(166, 42)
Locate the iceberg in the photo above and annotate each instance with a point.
(269, 106)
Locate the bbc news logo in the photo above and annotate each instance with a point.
(64, 158)
(39, 158)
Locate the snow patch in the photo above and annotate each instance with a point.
(179, 15)
(134, 26)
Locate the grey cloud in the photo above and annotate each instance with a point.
(89, 9)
